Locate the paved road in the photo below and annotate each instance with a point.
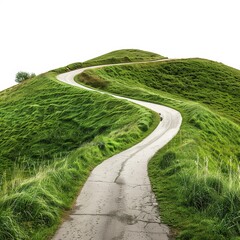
(117, 201)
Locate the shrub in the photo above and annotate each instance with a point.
(22, 76)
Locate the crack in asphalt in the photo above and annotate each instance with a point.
(122, 217)
(114, 182)
(131, 156)
(99, 181)
(120, 172)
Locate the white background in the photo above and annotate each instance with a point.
(39, 35)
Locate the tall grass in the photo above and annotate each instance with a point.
(196, 177)
(36, 202)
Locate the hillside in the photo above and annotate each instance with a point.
(211, 83)
(52, 136)
(196, 176)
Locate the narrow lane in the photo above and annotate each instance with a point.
(117, 201)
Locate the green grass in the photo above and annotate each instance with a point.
(124, 56)
(53, 136)
(211, 83)
(196, 176)
(42, 119)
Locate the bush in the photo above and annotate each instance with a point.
(21, 76)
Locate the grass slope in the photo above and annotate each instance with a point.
(199, 80)
(52, 136)
(196, 176)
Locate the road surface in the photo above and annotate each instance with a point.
(117, 201)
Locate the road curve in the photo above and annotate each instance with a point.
(117, 201)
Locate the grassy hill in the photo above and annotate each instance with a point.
(52, 136)
(196, 176)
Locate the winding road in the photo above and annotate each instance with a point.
(117, 201)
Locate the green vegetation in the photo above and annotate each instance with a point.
(196, 176)
(124, 56)
(22, 76)
(211, 83)
(52, 136)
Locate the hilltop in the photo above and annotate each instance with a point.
(115, 57)
(125, 55)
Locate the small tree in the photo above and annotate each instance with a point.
(21, 76)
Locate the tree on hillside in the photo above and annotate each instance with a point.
(21, 76)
